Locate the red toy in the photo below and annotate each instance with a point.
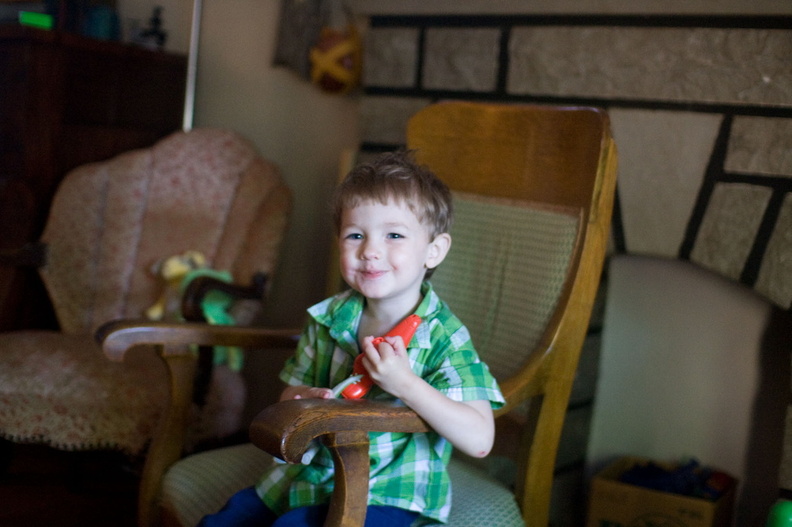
(404, 329)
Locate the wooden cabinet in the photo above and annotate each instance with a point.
(66, 100)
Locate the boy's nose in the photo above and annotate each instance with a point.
(369, 251)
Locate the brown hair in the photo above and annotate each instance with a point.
(396, 175)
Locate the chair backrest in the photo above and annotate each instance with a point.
(206, 190)
(534, 189)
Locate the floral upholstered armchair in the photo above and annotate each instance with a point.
(206, 190)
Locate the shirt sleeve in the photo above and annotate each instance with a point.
(460, 374)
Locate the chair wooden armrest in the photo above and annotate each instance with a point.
(29, 255)
(118, 336)
(286, 430)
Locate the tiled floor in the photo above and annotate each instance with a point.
(46, 487)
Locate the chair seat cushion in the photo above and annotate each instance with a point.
(62, 391)
(479, 499)
(202, 483)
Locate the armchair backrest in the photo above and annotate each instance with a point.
(534, 189)
(206, 190)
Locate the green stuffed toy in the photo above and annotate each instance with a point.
(178, 271)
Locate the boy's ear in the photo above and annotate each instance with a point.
(438, 249)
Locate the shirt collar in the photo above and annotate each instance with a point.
(341, 315)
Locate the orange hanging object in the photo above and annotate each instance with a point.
(404, 329)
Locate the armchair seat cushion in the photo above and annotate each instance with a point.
(479, 499)
(61, 390)
(201, 484)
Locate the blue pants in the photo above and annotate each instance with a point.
(245, 509)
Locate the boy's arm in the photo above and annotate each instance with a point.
(468, 425)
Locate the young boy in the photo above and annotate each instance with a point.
(392, 218)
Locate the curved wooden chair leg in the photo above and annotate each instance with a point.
(168, 441)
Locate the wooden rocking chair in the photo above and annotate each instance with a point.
(534, 189)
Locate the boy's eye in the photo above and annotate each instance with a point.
(395, 236)
(354, 236)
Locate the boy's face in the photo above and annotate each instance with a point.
(385, 252)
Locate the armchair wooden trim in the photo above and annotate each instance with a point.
(286, 429)
(351, 461)
(168, 439)
(119, 336)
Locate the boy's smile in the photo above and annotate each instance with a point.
(385, 251)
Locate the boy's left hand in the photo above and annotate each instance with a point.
(468, 425)
(388, 365)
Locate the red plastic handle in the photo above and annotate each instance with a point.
(404, 329)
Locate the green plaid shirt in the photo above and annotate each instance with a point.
(407, 470)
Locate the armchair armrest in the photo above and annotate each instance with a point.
(287, 428)
(29, 255)
(118, 336)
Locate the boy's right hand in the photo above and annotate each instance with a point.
(305, 392)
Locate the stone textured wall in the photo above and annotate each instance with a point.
(702, 117)
(701, 109)
(706, 65)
